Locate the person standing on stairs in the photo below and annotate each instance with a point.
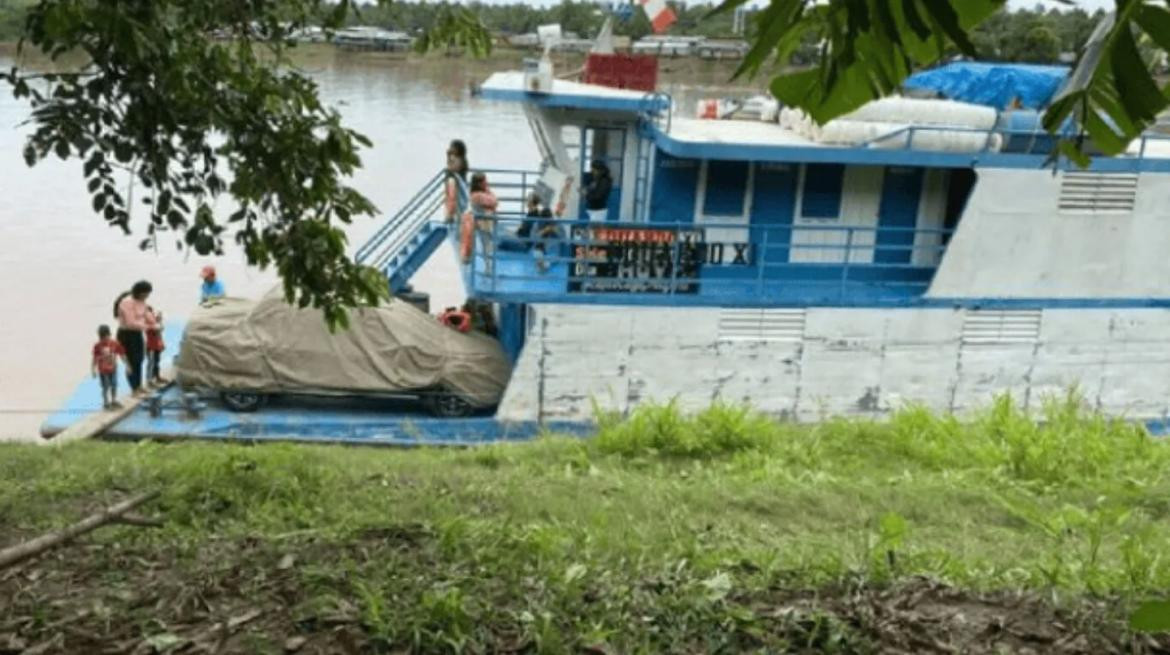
(456, 172)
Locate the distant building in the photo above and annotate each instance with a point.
(310, 34)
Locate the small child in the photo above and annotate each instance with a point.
(105, 364)
(154, 348)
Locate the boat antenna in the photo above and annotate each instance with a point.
(549, 36)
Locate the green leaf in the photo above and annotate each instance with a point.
(1074, 152)
(947, 19)
(1151, 616)
(718, 586)
(1135, 84)
(1111, 92)
(1155, 22)
(872, 46)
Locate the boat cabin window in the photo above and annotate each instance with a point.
(726, 188)
(821, 196)
(607, 144)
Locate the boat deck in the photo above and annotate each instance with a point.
(345, 420)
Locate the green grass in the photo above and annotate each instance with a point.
(660, 531)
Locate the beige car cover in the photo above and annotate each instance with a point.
(269, 346)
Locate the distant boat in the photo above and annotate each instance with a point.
(365, 37)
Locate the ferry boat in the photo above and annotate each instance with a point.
(923, 250)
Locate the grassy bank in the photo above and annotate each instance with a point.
(723, 532)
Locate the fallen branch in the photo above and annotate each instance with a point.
(21, 552)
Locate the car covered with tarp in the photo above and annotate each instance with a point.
(247, 350)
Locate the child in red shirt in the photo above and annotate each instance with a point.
(105, 364)
(154, 348)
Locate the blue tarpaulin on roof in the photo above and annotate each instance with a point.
(994, 85)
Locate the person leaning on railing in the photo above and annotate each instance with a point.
(479, 215)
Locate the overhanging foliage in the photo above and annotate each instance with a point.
(868, 47)
(182, 103)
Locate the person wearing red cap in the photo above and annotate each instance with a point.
(212, 287)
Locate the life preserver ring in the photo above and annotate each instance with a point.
(456, 319)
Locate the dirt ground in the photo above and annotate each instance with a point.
(244, 596)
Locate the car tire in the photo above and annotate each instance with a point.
(444, 404)
(242, 401)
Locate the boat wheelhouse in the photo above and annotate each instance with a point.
(922, 250)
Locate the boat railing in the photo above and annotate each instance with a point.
(729, 260)
(657, 108)
(1010, 140)
(912, 137)
(428, 204)
(511, 186)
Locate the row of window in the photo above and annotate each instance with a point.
(726, 189)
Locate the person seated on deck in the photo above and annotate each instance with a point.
(542, 222)
(483, 208)
(538, 219)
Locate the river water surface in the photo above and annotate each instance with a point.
(62, 267)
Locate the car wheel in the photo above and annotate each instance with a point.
(242, 401)
(448, 405)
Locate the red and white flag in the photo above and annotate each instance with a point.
(661, 17)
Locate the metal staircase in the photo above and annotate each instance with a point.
(401, 246)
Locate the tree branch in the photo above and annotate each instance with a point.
(20, 552)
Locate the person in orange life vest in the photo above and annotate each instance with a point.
(154, 349)
(456, 170)
(104, 364)
(483, 204)
(456, 319)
